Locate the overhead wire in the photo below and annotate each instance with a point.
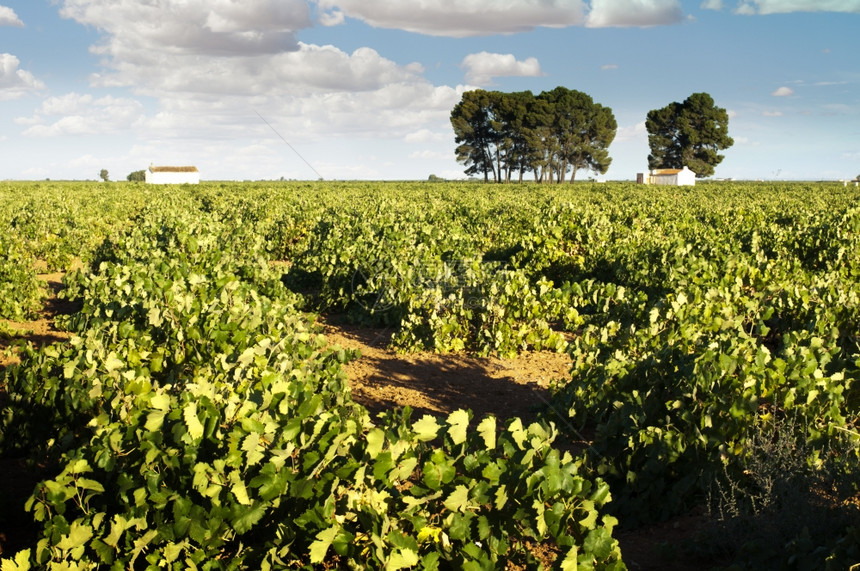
(289, 145)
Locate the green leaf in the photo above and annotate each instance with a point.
(571, 562)
(319, 548)
(195, 428)
(590, 520)
(458, 499)
(427, 428)
(154, 317)
(172, 551)
(112, 362)
(458, 425)
(87, 484)
(375, 440)
(342, 543)
(432, 475)
(160, 402)
(78, 535)
(599, 543)
(487, 430)
(501, 497)
(430, 562)
(239, 490)
(401, 559)
(601, 494)
(142, 543)
(248, 517)
(20, 563)
(404, 469)
(382, 466)
(103, 550)
(118, 527)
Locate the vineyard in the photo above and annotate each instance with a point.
(193, 415)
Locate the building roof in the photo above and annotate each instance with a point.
(153, 168)
(658, 172)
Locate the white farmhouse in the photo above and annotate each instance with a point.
(172, 175)
(672, 177)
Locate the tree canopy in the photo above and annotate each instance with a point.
(137, 176)
(688, 134)
(550, 134)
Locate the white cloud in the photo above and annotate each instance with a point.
(209, 68)
(635, 132)
(426, 136)
(430, 155)
(15, 82)
(783, 92)
(35, 173)
(203, 27)
(608, 66)
(68, 104)
(712, 5)
(839, 109)
(83, 161)
(462, 18)
(392, 111)
(34, 120)
(772, 113)
(225, 48)
(634, 13)
(787, 6)
(334, 18)
(83, 115)
(8, 17)
(482, 67)
(307, 70)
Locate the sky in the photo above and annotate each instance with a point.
(363, 89)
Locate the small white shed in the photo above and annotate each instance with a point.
(672, 177)
(172, 175)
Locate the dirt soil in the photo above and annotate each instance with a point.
(380, 379)
(41, 331)
(433, 383)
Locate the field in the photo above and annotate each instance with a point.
(429, 375)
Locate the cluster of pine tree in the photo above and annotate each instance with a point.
(550, 134)
(564, 130)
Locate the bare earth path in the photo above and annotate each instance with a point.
(434, 383)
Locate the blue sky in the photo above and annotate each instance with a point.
(363, 89)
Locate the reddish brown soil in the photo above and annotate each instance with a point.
(380, 379)
(41, 331)
(433, 383)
